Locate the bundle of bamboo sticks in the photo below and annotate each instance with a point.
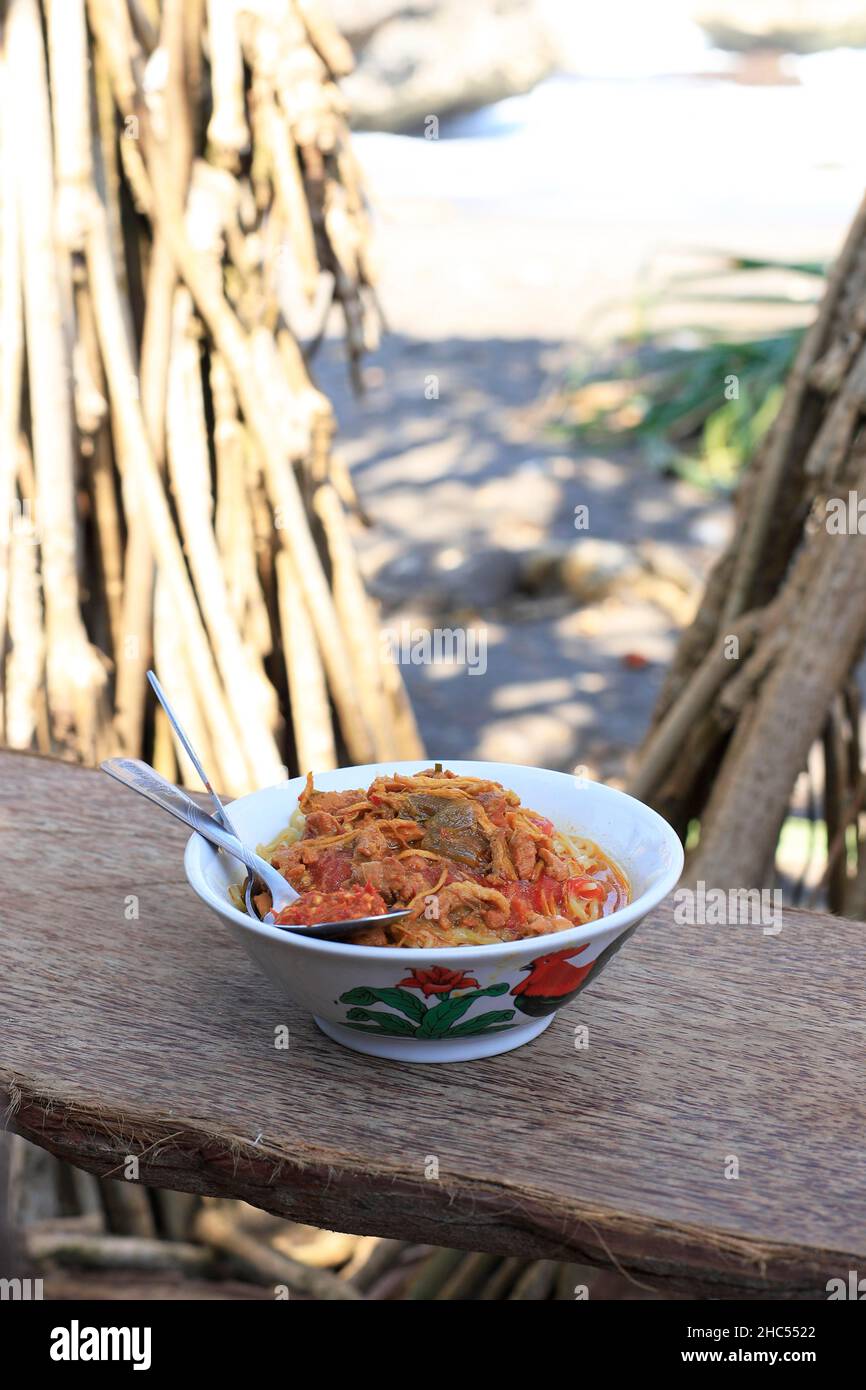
(173, 175)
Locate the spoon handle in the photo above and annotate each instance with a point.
(143, 779)
(222, 814)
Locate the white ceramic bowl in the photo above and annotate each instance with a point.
(447, 1005)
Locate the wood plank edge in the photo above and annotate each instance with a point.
(335, 1192)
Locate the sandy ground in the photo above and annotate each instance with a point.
(495, 265)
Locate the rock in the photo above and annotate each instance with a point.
(435, 57)
(449, 580)
(667, 562)
(358, 20)
(813, 25)
(591, 569)
(541, 569)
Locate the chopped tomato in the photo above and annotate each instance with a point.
(586, 888)
(522, 897)
(550, 897)
(581, 890)
(547, 895)
(529, 898)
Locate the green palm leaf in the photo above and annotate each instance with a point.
(440, 1019)
(399, 999)
(385, 1023)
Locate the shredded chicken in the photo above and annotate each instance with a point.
(470, 863)
(311, 800)
(500, 860)
(371, 843)
(322, 823)
(488, 903)
(555, 866)
(523, 853)
(391, 878)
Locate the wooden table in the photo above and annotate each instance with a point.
(154, 1036)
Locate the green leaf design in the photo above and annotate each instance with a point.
(441, 1018)
(387, 1023)
(368, 1028)
(492, 1022)
(399, 999)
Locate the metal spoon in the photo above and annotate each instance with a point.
(144, 779)
(221, 813)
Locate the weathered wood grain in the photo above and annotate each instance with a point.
(155, 1037)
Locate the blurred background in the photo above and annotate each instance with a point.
(562, 195)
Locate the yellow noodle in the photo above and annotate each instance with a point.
(289, 836)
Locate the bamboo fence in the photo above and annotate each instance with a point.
(172, 174)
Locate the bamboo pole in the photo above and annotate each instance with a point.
(117, 1252)
(75, 674)
(155, 349)
(112, 26)
(70, 101)
(745, 811)
(227, 130)
(536, 1282)
(26, 661)
(108, 529)
(99, 463)
(291, 199)
(136, 461)
(260, 1262)
(189, 467)
(353, 608)
(11, 351)
(326, 38)
(234, 523)
(314, 734)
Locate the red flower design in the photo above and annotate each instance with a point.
(438, 980)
